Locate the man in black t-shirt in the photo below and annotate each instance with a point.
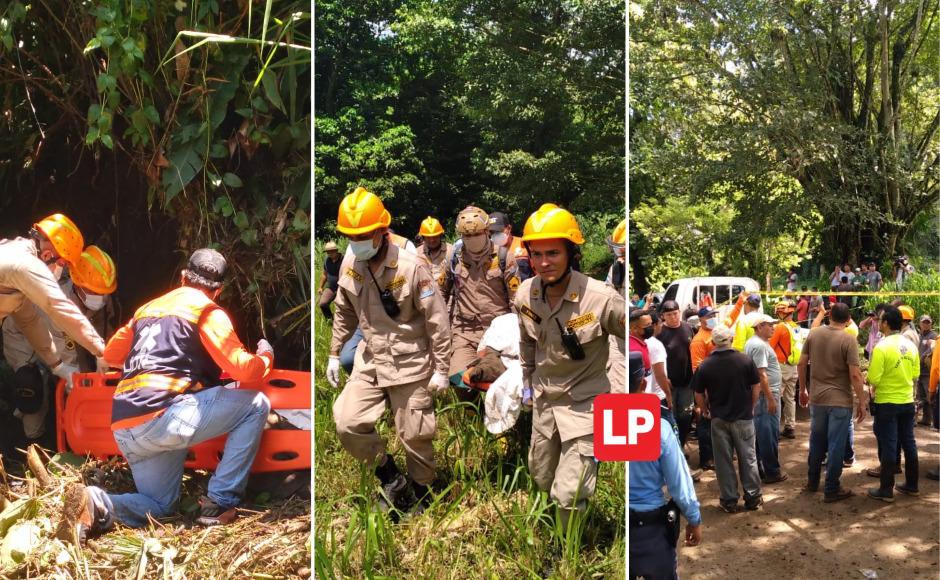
(727, 387)
(676, 337)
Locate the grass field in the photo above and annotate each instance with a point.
(488, 519)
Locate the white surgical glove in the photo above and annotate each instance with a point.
(264, 347)
(65, 371)
(439, 382)
(332, 371)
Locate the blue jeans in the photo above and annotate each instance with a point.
(157, 449)
(767, 427)
(829, 431)
(894, 424)
(347, 356)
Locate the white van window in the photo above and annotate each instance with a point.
(722, 295)
(735, 291)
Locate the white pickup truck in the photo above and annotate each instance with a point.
(723, 290)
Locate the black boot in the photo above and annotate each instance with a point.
(396, 493)
(423, 498)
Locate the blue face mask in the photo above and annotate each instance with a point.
(711, 323)
(363, 250)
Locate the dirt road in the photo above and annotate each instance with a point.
(796, 535)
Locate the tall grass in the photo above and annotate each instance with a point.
(487, 518)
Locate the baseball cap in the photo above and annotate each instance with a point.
(208, 267)
(926, 318)
(754, 299)
(329, 246)
(498, 221)
(722, 336)
(761, 318)
(783, 305)
(706, 312)
(636, 368)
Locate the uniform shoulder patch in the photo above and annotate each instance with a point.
(426, 288)
(581, 321)
(354, 275)
(396, 283)
(526, 311)
(514, 283)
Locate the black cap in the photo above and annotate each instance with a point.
(207, 268)
(498, 221)
(670, 305)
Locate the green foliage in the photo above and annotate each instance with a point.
(787, 113)
(209, 102)
(436, 105)
(928, 281)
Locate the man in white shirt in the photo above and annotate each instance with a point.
(658, 382)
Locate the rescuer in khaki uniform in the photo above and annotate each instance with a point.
(485, 282)
(29, 272)
(566, 372)
(93, 279)
(616, 279)
(437, 254)
(391, 296)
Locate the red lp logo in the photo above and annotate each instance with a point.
(626, 427)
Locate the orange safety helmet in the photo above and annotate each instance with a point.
(907, 313)
(95, 271)
(551, 222)
(64, 236)
(362, 212)
(430, 227)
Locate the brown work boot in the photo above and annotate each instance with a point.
(78, 520)
(212, 514)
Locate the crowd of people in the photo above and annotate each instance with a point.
(56, 307)
(735, 377)
(409, 321)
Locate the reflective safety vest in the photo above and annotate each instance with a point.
(797, 337)
(167, 357)
(742, 331)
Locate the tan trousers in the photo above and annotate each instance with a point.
(362, 403)
(788, 394)
(465, 345)
(565, 469)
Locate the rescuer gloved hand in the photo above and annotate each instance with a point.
(438, 382)
(65, 371)
(332, 371)
(264, 347)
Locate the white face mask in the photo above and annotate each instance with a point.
(363, 250)
(711, 323)
(476, 244)
(498, 239)
(94, 302)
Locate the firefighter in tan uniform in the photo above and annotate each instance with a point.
(390, 295)
(485, 282)
(29, 272)
(93, 279)
(616, 279)
(565, 319)
(437, 254)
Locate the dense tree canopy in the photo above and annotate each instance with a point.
(178, 123)
(790, 131)
(435, 105)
